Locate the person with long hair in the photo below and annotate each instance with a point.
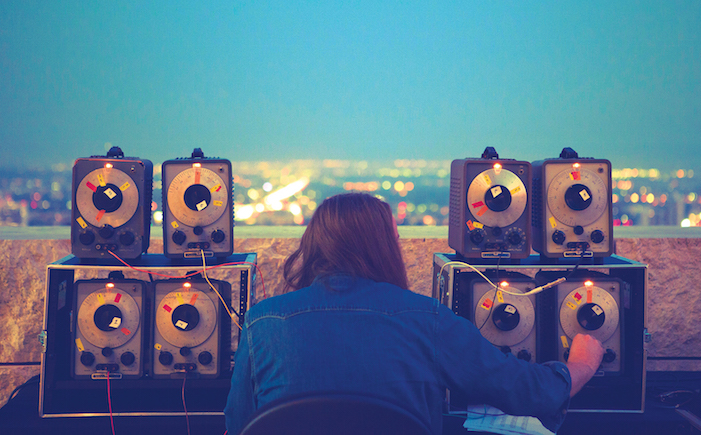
(349, 323)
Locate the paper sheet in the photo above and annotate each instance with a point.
(485, 418)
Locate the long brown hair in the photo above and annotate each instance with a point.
(351, 233)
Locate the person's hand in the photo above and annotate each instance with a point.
(587, 350)
(584, 360)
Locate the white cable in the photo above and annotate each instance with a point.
(532, 292)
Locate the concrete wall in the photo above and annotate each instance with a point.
(674, 297)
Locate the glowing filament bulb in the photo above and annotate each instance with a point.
(187, 285)
(110, 285)
(497, 168)
(503, 284)
(576, 165)
(588, 283)
(108, 165)
(197, 165)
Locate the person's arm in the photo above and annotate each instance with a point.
(584, 360)
(240, 404)
(471, 364)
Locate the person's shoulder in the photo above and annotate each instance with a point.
(280, 304)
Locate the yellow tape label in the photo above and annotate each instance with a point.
(500, 297)
(553, 222)
(157, 346)
(565, 344)
(101, 180)
(571, 305)
(515, 190)
(101, 298)
(478, 225)
(124, 186)
(174, 224)
(487, 179)
(81, 222)
(215, 188)
(79, 344)
(217, 203)
(179, 297)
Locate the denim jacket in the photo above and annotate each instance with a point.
(355, 335)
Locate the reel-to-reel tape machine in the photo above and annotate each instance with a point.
(108, 337)
(606, 300)
(197, 207)
(489, 207)
(591, 306)
(191, 333)
(572, 213)
(111, 206)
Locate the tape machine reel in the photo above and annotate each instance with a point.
(108, 332)
(188, 329)
(591, 308)
(198, 207)
(490, 207)
(505, 320)
(572, 207)
(111, 206)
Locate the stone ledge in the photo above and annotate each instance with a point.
(674, 302)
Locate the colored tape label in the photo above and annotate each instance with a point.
(565, 344)
(124, 186)
(79, 344)
(81, 222)
(500, 297)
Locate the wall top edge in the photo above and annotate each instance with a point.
(295, 232)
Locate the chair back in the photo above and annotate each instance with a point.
(334, 414)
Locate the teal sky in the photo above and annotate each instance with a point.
(261, 80)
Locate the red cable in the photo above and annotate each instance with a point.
(187, 418)
(260, 273)
(109, 402)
